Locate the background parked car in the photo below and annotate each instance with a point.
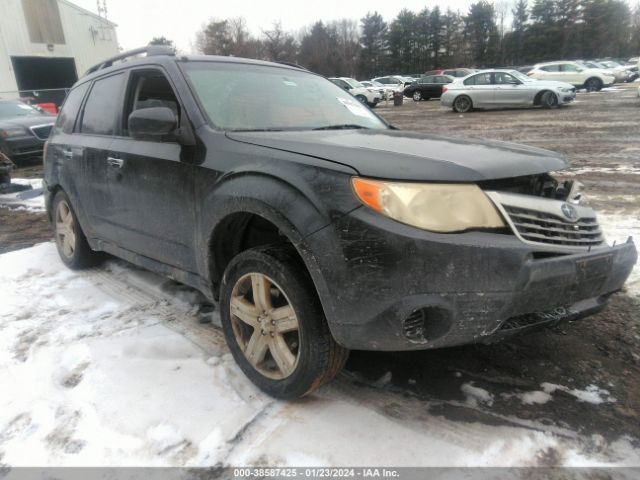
(23, 129)
(385, 91)
(397, 82)
(427, 87)
(622, 73)
(592, 79)
(452, 72)
(368, 96)
(504, 88)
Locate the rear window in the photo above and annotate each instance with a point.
(102, 106)
(67, 116)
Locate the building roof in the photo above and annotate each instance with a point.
(88, 12)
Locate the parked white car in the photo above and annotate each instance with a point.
(369, 96)
(621, 72)
(396, 82)
(592, 79)
(387, 92)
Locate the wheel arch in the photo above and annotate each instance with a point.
(256, 209)
(538, 98)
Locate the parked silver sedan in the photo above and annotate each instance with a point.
(504, 88)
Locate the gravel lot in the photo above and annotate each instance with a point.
(599, 133)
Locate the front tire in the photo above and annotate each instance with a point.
(462, 104)
(593, 85)
(274, 324)
(361, 99)
(73, 248)
(549, 100)
(417, 96)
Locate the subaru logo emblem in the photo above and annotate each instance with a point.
(569, 211)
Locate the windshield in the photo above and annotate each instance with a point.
(256, 97)
(353, 83)
(17, 109)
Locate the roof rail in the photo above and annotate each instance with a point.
(150, 50)
(293, 64)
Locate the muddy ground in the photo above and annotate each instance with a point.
(600, 134)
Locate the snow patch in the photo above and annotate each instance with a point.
(31, 200)
(591, 394)
(476, 395)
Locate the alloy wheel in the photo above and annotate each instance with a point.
(65, 229)
(265, 326)
(417, 96)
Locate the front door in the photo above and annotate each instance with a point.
(151, 186)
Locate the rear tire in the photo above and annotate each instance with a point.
(462, 104)
(593, 85)
(73, 248)
(548, 100)
(286, 356)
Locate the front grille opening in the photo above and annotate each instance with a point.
(542, 227)
(426, 324)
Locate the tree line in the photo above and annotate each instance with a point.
(488, 34)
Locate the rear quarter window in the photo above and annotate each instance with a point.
(67, 116)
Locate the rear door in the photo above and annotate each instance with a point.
(152, 187)
(551, 72)
(481, 89)
(91, 145)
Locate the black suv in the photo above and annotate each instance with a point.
(317, 227)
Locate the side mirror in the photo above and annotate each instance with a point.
(152, 122)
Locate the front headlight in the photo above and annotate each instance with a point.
(13, 132)
(438, 207)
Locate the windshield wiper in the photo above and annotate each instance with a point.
(344, 126)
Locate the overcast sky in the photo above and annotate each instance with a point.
(179, 20)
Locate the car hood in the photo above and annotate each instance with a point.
(27, 121)
(400, 155)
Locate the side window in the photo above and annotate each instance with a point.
(551, 68)
(148, 89)
(480, 79)
(502, 78)
(67, 116)
(567, 67)
(426, 80)
(101, 109)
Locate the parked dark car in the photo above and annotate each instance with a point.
(427, 87)
(23, 129)
(315, 226)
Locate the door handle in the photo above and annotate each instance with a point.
(115, 162)
(68, 153)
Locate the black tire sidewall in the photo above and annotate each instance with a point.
(362, 99)
(455, 106)
(285, 270)
(545, 103)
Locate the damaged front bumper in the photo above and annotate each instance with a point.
(394, 287)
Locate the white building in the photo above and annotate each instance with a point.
(45, 45)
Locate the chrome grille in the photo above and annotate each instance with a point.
(542, 221)
(542, 227)
(42, 131)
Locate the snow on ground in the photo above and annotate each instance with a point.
(617, 229)
(111, 366)
(591, 394)
(31, 200)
